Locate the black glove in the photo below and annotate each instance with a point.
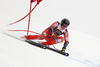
(51, 29)
(63, 50)
(53, 35)
(64, 47)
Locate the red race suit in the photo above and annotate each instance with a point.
(46, 34)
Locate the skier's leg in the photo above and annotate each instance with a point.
(32, 37)
(51, 41)
(44, 34)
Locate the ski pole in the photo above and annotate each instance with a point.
(29, 18)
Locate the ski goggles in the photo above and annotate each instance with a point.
(65, 25)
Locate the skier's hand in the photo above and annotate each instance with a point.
(63, 50)
(53, 35)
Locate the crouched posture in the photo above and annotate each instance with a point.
(52, 34)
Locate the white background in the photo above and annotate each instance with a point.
(83, 14)
(84, 33)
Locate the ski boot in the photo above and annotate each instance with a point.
(63, 50)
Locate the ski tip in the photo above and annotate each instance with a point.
(67, 54)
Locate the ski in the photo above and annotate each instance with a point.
(38, 45)
(46, 47)
(58, 51)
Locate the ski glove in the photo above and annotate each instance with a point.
(63, 50)
(53, 35)
(64, 47)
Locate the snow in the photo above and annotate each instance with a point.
(16, 53)
(84, 46)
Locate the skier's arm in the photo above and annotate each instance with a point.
(66, 37)
(51, 29)
(66, 41)
(55, 24)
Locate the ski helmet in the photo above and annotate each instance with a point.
(65, 22)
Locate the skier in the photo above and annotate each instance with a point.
(52, 34)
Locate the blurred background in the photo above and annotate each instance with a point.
(84, 15)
